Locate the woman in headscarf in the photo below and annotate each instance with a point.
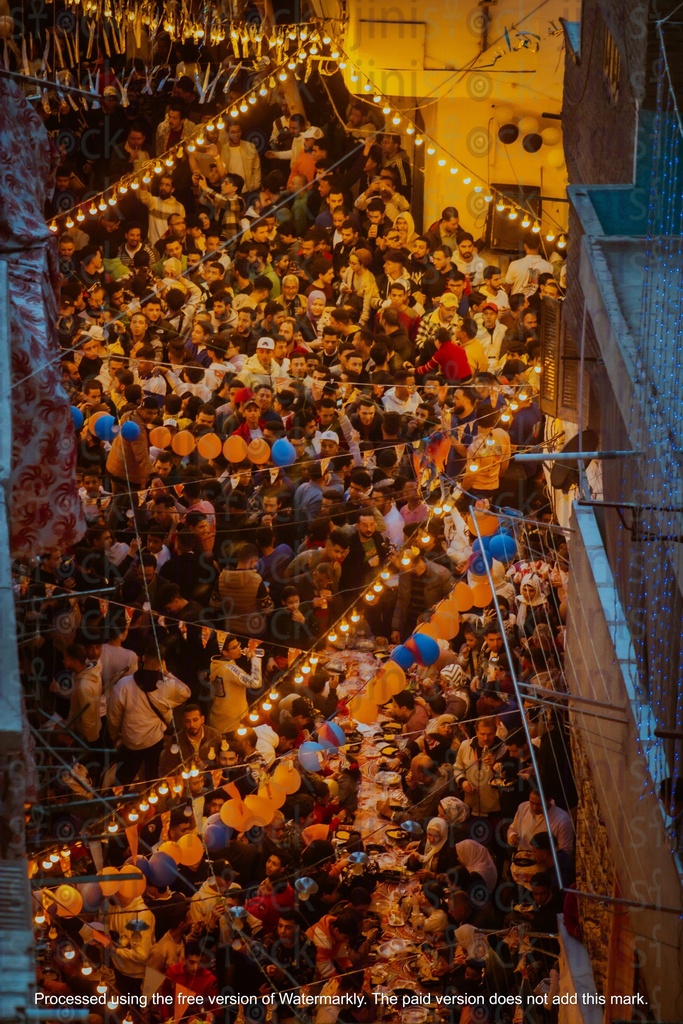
(359, 281)
(313, 320)
(477, 862)
(434, 855)
(532, 606)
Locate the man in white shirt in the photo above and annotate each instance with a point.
(522, 276)
(492, 288)
(383, 495)
(530, 820)
(402, 397)
(241, 157)
(491, 333)
(467, 261)
(160, 207)
(130, 954)
(86, 690)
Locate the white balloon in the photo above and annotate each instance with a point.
(551, 136)
(503, 114)
(528, 125)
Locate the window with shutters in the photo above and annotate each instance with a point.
(550, 355)
(611, 67)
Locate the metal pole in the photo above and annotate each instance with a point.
(572, 456)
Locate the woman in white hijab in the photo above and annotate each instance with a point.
(433, 855)
(478, 862)
(532, 606)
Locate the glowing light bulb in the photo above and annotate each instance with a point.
(505, 417)
(418, 140)
(396, 119)
(326, 40)
(490, 442)
(185, 774)
(133, 816)
(488, 198)
(40, 917)
(441, 162)
(314, 659)
(431, 150)
(438, 509)
(252, 98)
(163, 789)
(447, 508)
(135, 185)
(283, 75)
(406, 559)
(523, 396)
(366, 88)
(305, 668)
(194, 771)
(242, 731)
(266, 705)
(454, 170)
(562, 242)
(370, 597)
(526, 221)
(273, 695)
(537, 369)
(177, 788)
(332, 637)
(102, 205)
(410, 130)
(158, 168)
(244, 106)
(220, 123)
(146, 177)
(69, 222)
(473, 467)
(210, 126)
(144, 805)
(298, 677)
(536, 227)
(385, 574)
(101, 988)
(47, 864)
(386, 109)
(86, 969)
(80, 216)
(355, 617)
(112, 827)
(253, 717)
(477, 188)
(263, 91)
(550, 237)
(512, 214)
(500, 206)
(376, 98)
(425, 538)
(69, 952)
(65, 852)
(354, 75)
(344, 626)
(153, 798)
(53, 227)
(514, 406)
(54, 857)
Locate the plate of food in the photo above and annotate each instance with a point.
(395, 947)
(524, 908)
(387, 778)
(501, 783)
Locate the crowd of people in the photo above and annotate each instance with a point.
(291, 396)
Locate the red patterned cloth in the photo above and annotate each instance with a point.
(44, 508)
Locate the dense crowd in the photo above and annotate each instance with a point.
(291, 399)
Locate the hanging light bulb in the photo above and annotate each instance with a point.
(242, 731)
(410, 130)
(169, 161)
(454, 170)
(298, 677)
(175, 748)
(344, 626)
(314, 659)
(291, 34)
(53, 226)
(80, 216)
(385, 575)
(292, 64)
(378, 587)
(396, 119)
(447, 507)
(69, 952)
(158, 168)
(514, 406)
(65, 852)
(505, 417)
(425, 538)
(86, 969)
(536, 227)
(405, 558)
(133, 816)
(488, 198)
(490, 441)
(112, 200)
(244, 106)
(210, 126)
(562, 242)
(550, 237)
(102, 206)
(123, 189)
(332, 637)
(40, 917)
(153, 797)
(252, 98)
(326, 39)
(52, 934)
(366, 88)
(194, 771)
(220, 123)
(266, 705)
(69, 222)
(135, 184)
(355, 617)
(144, 805)
(478, 188)
(526, 221)
(335, 56)
(273, 695)
(466, 181)
(386, 109)
(112, 826)
(537, 368)
(47, 864)
(54, 857)
(500, 205)
(212, 754)
(418, 140)
(473, 467)
(253, 717)
(283, 75)
(101, 987)
(376, 98)
(431, 150)
(263, 91)
(512, 215)
(304, 33)
(177, 788)
(441, 161)
(438, 509)
(523, 396)
(354, 75)
(370, 596)
(163, 788)
(185, 773)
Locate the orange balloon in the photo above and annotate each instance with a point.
(192, 849)
(482, 595)
(183, 443)
(160, 437)
(209, 446)
(258, 812)
(447, 624)
(172, 850)
(129, 888)
(428, 628)
(271, 793)
(232, 814)
(379, 691)
(235, 448)
(286, 777)
(463, 597)
(394, 675)
(258, 451)
(93, 420)
(69, 901)
(363, 710)
(486, 521)
(109, 888)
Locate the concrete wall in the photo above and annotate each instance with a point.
(600, 666)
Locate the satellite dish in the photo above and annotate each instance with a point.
(565, 474)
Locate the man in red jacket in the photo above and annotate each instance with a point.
(450, 359)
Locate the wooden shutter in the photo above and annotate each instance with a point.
(550, 355)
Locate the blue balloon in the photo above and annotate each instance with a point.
(130, 431)
(481, 545)
(283, 452)
(142, 863)
(478, 566)
(428, 648)
(308, 756)
(77, 416)
(402, 656)
(328, 733)
(503, 548)
(217, 834)
(162, 870)
(104, 428)
(92, 895)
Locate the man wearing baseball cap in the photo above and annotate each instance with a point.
(261, 368)
(491, 333)
(445, 316)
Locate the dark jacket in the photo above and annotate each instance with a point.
(437, 584)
